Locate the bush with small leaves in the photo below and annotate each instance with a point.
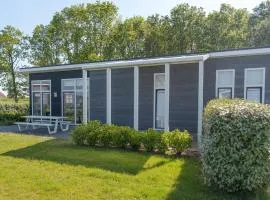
(180, 140)
(135, 140)
(150, 139)
(79, 134)
(94, 129)
(236, 145)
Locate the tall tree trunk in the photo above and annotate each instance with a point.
(14, 85)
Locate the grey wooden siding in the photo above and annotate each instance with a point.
(239, 64)
(184, 97)
(146, 95)
(98, 95)
(55, 78)
(122, 96)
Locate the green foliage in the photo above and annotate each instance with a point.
(135, 140)
(13, 51)
(180, 140)
(94, 133)
(80, 134)
(150, 139)
(236, 145)
(121, 136)
(93, 130)
(11, 112)
(164, 142)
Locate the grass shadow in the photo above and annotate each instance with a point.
(64, 152)
(190, 185)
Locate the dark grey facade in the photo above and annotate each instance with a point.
(184, 97)
(122, 96)
(98, 95)
(239, 64)
(183, 90)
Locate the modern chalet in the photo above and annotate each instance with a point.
(162, 92)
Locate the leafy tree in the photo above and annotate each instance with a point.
(186, 28)
(45, 46)
(227, 28)
(128, 38)
(13, 51)
(157, 29)
(259, 25)
(76, 34)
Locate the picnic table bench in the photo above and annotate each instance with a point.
(44, 121)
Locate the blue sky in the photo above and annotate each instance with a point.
(25, 14)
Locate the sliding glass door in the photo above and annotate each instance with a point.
(41, 97)
(72, 103)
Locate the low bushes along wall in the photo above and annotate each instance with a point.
(11, 112)
(94, 133)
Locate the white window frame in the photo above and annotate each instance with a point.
(40, 91)
(154, 101)
(75, 91)
(257, 85)
(225, 86)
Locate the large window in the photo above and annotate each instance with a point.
(254, 84)
(159, 100)
(41, 97)
(225, 83)
(72, 99)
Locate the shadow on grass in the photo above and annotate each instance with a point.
(63, 152)
(190, 185)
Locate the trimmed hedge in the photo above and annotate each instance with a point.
(96, 134)
(236, 145)
(11, 112)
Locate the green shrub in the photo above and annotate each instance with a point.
(164, 142)
(94, 129)
(135, 140)
(80, 134)
(150, 139)
(121, 136)
(180, 141)
(11, 112)
(105, 135)
(235, 150)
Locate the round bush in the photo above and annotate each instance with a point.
(135, 140)
(235, 150)
(180, 141)
(79, 134)
(150, 139)
(94, 128)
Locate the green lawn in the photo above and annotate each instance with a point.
(34, 167)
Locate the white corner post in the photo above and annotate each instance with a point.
(109, 96)
(84, 72)
(200, 102)
(167, 98)
(136, 98)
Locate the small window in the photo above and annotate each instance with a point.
(254, 84)
(225, 83)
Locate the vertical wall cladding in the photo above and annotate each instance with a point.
(239, 64)
(98, 95)
(55, 78)
(122, 96)
(146, 95)
(184, 97)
